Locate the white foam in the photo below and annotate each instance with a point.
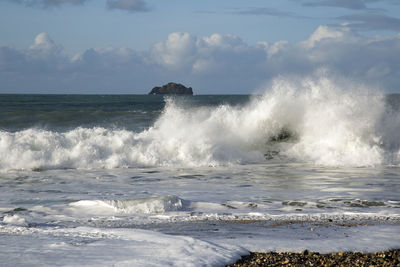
(85, 246)
(319, 238)
(171, 209)
(133, 247)
(15, 220)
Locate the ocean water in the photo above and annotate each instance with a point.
(139, 180)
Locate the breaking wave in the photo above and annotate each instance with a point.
(313, 120)
(143, 205)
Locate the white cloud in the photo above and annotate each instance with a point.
(42, 55)
(211, 64)
(329, 34)
(205, 54)
(178, 50)
(44, 46)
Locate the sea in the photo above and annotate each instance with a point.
(157, 180)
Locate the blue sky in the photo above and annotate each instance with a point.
(226, 46)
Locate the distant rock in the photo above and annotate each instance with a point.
(172, 89)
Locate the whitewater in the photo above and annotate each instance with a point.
(307, 163)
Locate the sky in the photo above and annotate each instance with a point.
(216, 47)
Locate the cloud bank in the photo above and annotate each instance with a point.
(370, 21)
(129, 5)
(266, 11)
(350, 4)
(48, 3)
(211, 64)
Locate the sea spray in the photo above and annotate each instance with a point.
(312, 120)
(334, 125)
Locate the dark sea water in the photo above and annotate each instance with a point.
(65, 112)
(197, 180)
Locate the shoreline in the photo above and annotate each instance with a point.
(307, 258)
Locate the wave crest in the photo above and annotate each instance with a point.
(134, 206)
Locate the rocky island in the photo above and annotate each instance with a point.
(172, 89)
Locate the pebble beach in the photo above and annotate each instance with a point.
(306, 258)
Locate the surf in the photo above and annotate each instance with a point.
(318, 120)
